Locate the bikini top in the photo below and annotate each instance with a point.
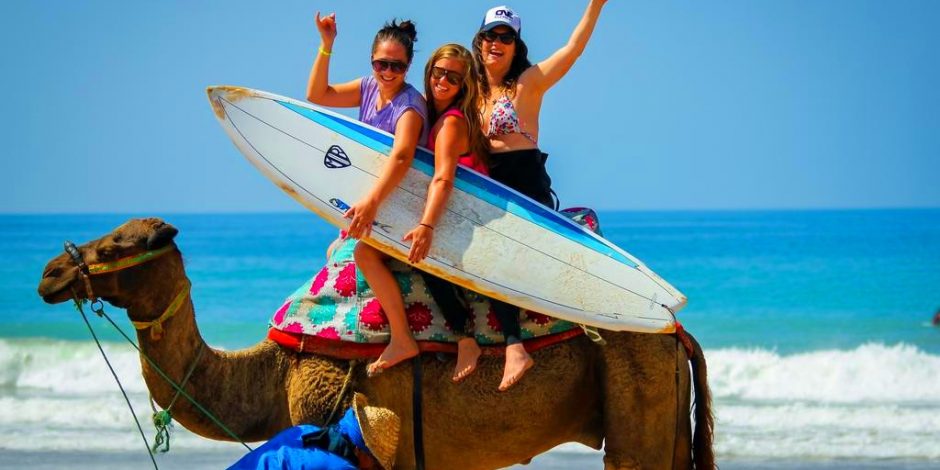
(504, 120)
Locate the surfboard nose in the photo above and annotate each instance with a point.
(225, 92)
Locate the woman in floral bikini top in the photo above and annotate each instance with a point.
(513, 87)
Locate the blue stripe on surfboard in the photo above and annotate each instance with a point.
(467, 181)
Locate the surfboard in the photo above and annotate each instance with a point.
(491, 239)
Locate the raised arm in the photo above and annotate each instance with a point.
(446, 146)
(547, 72)
(407, 132)
(319, 90)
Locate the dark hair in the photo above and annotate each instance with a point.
(520, 62)
(403, 33)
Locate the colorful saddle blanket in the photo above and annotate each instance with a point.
(336, 313)
(337, 304)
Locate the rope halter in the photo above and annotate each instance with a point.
(88, 270)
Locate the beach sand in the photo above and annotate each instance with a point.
(206, 460)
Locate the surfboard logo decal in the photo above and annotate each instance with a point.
(343, 207)
(336, 158)
(339, 204)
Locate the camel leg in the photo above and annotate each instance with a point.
(640, 419)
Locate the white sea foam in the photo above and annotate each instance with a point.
(874, 401)
(60, 395)
(872, 373)
(67, 367)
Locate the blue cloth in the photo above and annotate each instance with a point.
(286, 450)
(349, 426)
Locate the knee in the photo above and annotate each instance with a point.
(364, 254)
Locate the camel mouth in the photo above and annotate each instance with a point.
(55, 294)
(54, 288)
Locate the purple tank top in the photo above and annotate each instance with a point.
(387, 117)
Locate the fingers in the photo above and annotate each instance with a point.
(419, 249)
(353, 230)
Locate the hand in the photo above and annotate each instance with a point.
(421, 238)
(362, 214)
(327, 28)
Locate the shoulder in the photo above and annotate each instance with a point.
(411, 96)
(453, 112)
(452, 125)
(367, 87)
(454, 120)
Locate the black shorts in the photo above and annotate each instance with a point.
(524, 171)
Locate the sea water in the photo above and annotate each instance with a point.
(815, 324)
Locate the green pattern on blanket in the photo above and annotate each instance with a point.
(338, 304)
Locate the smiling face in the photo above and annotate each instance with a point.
(442, 90)
(495, 53)
(389, 52)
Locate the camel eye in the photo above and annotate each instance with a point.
(107, 252)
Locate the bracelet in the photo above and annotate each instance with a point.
(426, 225)
(324, 52)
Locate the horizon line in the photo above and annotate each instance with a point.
(674, 210)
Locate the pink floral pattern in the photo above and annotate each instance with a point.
(373, 317)
(319, 281)
(419, 317)
(335, 305)
(346, 282)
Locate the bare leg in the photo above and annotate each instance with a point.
(468, 352)
(518, 361)
(402, 346)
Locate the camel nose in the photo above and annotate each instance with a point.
(52, 271)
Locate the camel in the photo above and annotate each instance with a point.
(633, 395)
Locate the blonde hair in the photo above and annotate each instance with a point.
(467, 99)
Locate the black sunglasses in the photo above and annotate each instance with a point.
(381, 65)
(505, 38)
(452, 77)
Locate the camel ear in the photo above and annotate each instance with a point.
(161, 236)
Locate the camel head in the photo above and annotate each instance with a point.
(123, 266)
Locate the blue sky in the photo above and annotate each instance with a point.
(674, 105)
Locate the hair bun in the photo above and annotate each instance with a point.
(407, 27)
(403, 33)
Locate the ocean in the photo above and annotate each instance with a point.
(816, 327)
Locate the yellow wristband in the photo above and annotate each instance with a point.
(326, 53)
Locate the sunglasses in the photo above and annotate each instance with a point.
(452, 77)
(505, 38)
(381, 65)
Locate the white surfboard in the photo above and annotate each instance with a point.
(491, 239)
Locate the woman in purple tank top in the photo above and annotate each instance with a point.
(387, 102)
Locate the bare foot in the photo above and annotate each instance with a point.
(518, 361)
(468, 351)
(394, 353)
